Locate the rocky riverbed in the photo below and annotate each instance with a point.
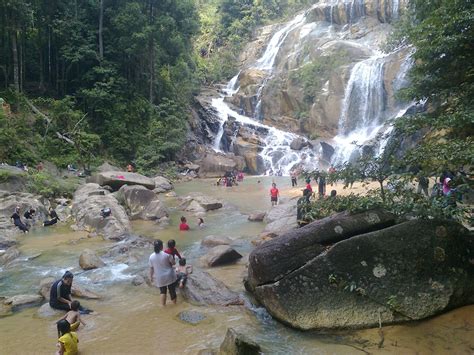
(128, 307)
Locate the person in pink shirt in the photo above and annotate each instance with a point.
(184, 225)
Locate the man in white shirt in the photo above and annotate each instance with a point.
(162, 272)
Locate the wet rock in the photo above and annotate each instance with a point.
(281, 218)
(203, 289)
(191, 317)
(23, 300)
(82, 292)
(90, 260)
(192, 167)
(238, 344)
(344, 279)
(220, 255)
(257, 217)
(116, 179)
(328, 151)
(6, 242)
(9, 255)
(171, 194)
(45, 311)
(5, 309)
(88, 200)
(299, 143)
(212, 241)
(199, 203)
(138, 280)
(142, 203)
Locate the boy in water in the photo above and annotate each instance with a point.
(182, 271)
(73, 317)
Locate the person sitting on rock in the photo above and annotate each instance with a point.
(54, 218)
(182, 272)
(73, 317)
(105, 212)
(171, 250)
(183, 225)
(17, 220)
(60, 294)
(29, 214)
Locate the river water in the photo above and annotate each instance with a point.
(128, 319)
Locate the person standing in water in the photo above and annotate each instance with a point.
(162, 272)
(274, 194)
(67, 342)
(294, 181)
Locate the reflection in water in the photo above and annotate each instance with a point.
(129, 320)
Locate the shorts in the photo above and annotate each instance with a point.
(171, 288)
(274, 199)
(182, 278)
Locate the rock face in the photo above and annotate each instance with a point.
(281, 218)
(142, 203)
(238, 344)
(330, 274)
(199, 203)
(116, 179)
(88, 200)
(257, 217)
(9, 255)
(202, 289)
(90, 260)
(220, 255)
(299, 143)
(45, 311)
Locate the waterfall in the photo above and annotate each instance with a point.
(364, 97)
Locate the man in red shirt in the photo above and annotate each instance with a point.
(183, 226)
(274, 194)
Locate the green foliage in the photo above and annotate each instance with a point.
(46, 185)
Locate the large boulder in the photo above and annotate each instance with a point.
(106, 167)
(299, 143)
(217, 164)
(220, 255)
(88, 200)
(281, 218)
(199, 203)
(238, 344)
(203, 289)
(142, 203)
(116, 179)
(90, 260)
(333, 275)
(257, 217)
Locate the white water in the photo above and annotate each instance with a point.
(363, 108)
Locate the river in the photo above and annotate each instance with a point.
(128, 319)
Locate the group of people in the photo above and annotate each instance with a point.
(163, 272)
(230, 178)
(184, 226)
(29, 216)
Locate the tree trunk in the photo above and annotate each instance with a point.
(101, 22)
(151, 57)
(16, 70)
(382, 191)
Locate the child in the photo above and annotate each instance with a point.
(171, 250)
(184, 225)
(274, 194)
(67, 342)
(183, 270)
(73, 317)
(201, 223)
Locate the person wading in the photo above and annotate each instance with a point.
(162, 272)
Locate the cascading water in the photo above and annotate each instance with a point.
(364, 109)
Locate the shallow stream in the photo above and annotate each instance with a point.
(128, 319)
